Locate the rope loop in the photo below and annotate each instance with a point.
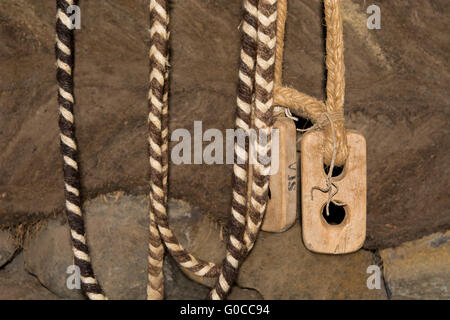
(309, 107)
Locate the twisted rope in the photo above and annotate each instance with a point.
(281, 31)
(311, 108)
(237, 225)
(64, 74)
(158, 105)
(253, 19)
(158, 147)
(264, 88)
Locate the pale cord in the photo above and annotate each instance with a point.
(329, 181)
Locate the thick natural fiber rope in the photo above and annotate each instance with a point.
(281, 28)
(309, 107)
(65, 60)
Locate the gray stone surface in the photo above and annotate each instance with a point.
(17, 284)
(178, 286)
(117, 233)
(419, 269)
(238, 293)
(280, 267)
(7, 247)
(48, 254)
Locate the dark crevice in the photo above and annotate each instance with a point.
(43, 285)
(303, 123)
(248, 288)
(15, 254)
(379, 262)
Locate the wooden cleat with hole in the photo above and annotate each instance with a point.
(344, 229)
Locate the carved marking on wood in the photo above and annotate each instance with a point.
(282, 207)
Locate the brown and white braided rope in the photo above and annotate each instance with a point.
(245, 94)
(237, 224)
(158, 104)
(236, 250)
(264, 88)
(65, 60)
(256, 16)
(263, 118)
(158, 143)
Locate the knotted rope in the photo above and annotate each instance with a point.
(328, 116)
(310, 107)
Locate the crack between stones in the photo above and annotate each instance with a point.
(248, 288)
(379, 262)
(15, 254)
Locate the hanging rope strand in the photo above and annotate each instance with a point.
(158, 147)
(245, 93)
(257, 24)
(234, 252)
(157, 102)
(237, 224)
(264, 88)
(65, 60)
(281, 30)
(335, 82)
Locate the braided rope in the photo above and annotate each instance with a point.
(264, 84)
(335, 82)
(237, 225)
(281, 31)
(158, 147)
(64, 61)
(244, 100)
(236, 251)
(257, 56)
(158, 105)
(264, 88)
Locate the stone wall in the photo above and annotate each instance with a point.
(397, 96)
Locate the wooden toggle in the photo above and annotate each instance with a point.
(282, 207)
(320, 235)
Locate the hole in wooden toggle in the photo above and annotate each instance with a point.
(337, 214)
(337, 171)
(269, 194)
(303, 123)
